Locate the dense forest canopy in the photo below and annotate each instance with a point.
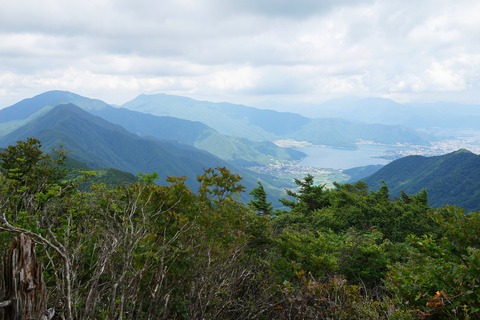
(144, 251)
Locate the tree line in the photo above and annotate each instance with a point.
(145, 251)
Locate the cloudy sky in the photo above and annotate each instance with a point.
(264, 53)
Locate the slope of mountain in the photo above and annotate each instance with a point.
(9, 126)
(110, 177)
(359, 173)
(239, 151)
(451, 179)
(25, 108)
(166, 128)
(257, 124)
(101, 144)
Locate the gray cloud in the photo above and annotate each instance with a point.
(286, 8)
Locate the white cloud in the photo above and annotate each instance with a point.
(444, 78)
(245, 50)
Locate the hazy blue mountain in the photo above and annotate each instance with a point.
(227, 118)
(9, 126)
(369, 110)
(166, 128)
(240, 151)
(451, 179)
(261, 124)
(386, 111)
(195, 133)
(208, 121)
(25, 108)
(29, 109)
(343, 133)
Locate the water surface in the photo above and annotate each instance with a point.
(337, 158)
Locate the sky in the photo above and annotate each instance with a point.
(266, 53)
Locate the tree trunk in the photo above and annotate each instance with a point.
(25, 297)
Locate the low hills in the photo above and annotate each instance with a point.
(451, 179)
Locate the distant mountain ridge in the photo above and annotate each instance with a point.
(28, 106)
(259, 124)
(386, 111)
(230, 119)
(451, 179)
(220, 128)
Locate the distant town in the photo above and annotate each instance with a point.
(289, 170)
(465, 139)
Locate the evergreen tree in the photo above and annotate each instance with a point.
(309, 198)
(259, 202)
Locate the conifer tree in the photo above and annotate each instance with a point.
(259, 202)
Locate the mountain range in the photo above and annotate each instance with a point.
(101, 144)
(259, 124)
(234, 149)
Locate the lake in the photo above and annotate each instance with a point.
(337, 158)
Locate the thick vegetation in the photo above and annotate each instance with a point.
(452, 178)
(143, 251)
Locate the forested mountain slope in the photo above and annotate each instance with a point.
(451, 179)
(240, 151)
(101, 144)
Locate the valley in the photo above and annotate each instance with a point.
(284, 172)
